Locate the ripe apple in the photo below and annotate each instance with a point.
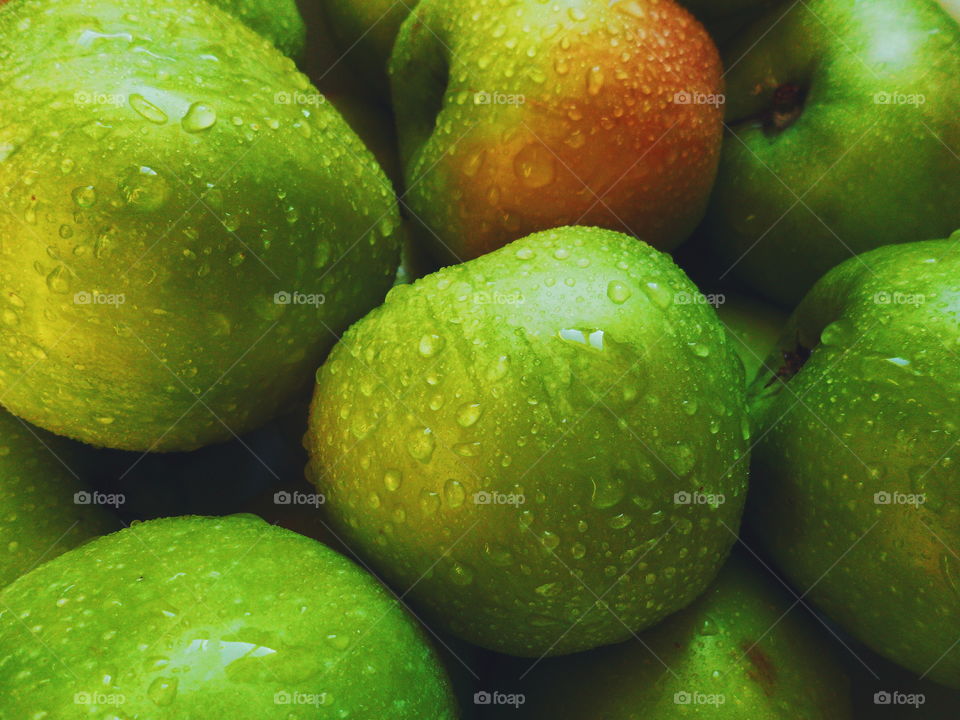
(843, 138)
(520, 117)
(855, 493)
(227, 617)
(741, 651)
(514, 437)
(44, 509)
(190, 239)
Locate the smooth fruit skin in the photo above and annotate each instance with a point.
(197, 201)
(561, 369)
(40, 514)
(754, 326)
(743, 646)
(212, 617)
(818, 166)
(865, 401)
(277, 20)
(583, 124)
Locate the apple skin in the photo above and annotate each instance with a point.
(868, 174)
(598, 139)
(212, 617)
(755, 327)
(277, 20)
(724, 20)
(581, 385)
(872, 409)
(741, 640)
(39, 518)
(198, 229)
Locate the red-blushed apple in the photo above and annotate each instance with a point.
(526, 117)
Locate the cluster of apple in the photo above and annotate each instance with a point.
(719, 483)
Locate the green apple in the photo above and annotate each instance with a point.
(856, 494)
(365, 31)
(842, 139)
(516, 436)
(212, 617)
(277, 20)
(520, 117)
(754, 325)
(743, 650)
(44, 509)
(191, 239)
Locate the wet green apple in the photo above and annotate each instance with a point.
(842, 138)
(44, 509)
(277, 20)
(520, 117)
(180, 243)
(516, 436)
(855, 493)
(743, 650)
(212, 617)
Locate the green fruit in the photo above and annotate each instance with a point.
(742, 650)
(844, 118)
(724, 19)
(856, 496)
(277, 20)
(559, 379)
(44, 510)
(212, 617)
(755, 328)
(179, 225)
(365, 30)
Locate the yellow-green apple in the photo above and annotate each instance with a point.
(855, 492)
(181, 243)
(514, 437)
(228, 617)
